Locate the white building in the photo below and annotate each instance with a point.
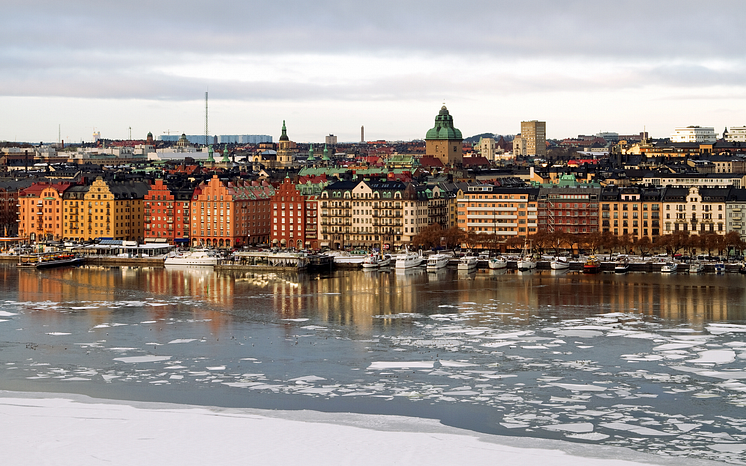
(736, 134)
(694, 134)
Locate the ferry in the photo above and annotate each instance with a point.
(49, 260)
(198, 257)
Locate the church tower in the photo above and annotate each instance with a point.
(284, 149)
(444, 141)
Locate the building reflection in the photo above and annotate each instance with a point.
(358, 299)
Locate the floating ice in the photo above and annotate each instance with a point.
(639, 430)
(577, 427)
(719, 329)
(7, 314)
(58, 333)
(579, 387)
(715, 357)
(386, 365)
(138, 359)
(182, 340)
(296, 320)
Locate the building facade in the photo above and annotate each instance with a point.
(533, 138)
(569, 209)
(631, 211)
(501, 212)
(166, 213)
(228, 214)
(694, 134)
(40, 212)
(294, 218)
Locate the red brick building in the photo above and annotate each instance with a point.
(294, 218)
(167, 213)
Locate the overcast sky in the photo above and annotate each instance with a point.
(330, 66)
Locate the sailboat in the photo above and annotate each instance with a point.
(526, 261)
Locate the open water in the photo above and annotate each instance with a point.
(650, 362)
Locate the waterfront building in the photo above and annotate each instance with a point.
(9, 205)
(735, 212)
(444, 141)
(166, 213)
(498, 211)
(694, 134)
(694, 210)
(40, 212)
(570, 209)
(105, 210)
(368, 214)
(631, 211)
(294, 217)
(228, 214)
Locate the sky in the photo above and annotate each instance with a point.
(70, 68)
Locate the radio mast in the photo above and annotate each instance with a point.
(206, 130)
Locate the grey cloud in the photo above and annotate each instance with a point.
(541, 28)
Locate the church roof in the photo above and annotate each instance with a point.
(444, 127)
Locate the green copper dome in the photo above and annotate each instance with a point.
(444, 127)
(284, 136)
(311, 158)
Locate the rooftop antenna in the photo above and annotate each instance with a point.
(59, 133)
(130, 133)
(206, 130)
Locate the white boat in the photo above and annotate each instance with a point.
(371, 261)
(696, 267)
(559, 263)
(348, 259)
(438, 261)
(197, 257)
(621, 266)
(526, 261)
(408, 259)
(498, 262)
(375, 260)
(468, 263)
(719, 267)
(669, 267)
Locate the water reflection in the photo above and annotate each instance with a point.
(354, 297)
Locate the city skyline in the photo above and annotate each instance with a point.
(330, 67)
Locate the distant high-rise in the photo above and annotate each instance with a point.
(362, 134)
(534, 138)
(331, 140)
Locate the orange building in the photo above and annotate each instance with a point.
(40, 212)
(228, 214)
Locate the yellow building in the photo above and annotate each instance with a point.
(105, 210)
(444, 141)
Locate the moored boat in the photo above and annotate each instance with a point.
(49, 260)
(526, 261)
(621, 266)
(408, 259)
(592, 265)
(669, 267)
(498, 262)
(697, 267)
(467, 263)
(437, 261)
(197, 257)
(559, 263)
